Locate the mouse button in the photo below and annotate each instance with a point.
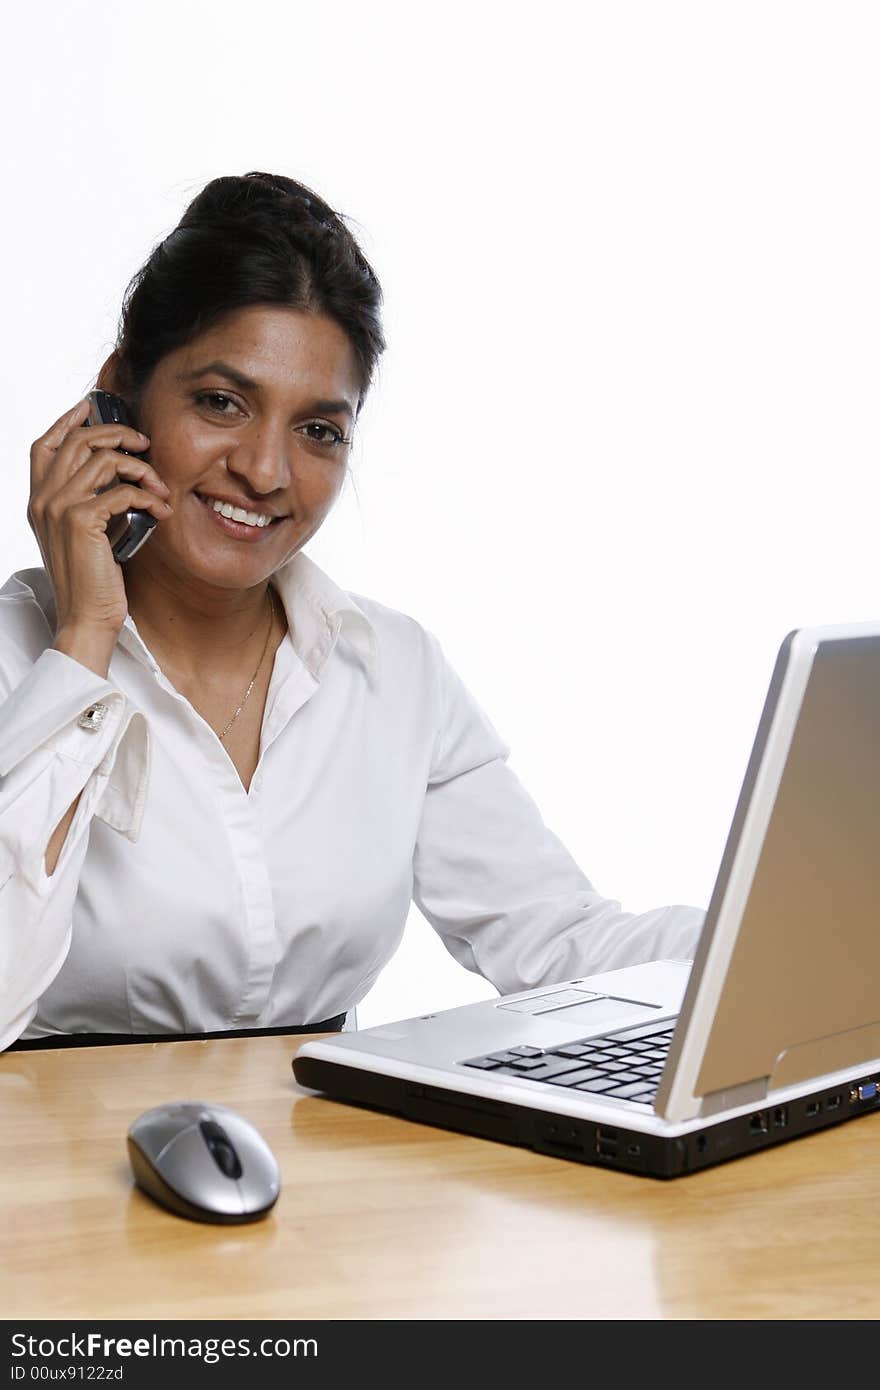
(259, 1188)
(156, 1128)
(220, 1148)
(260, 1182)
(240, 1132)
(187, 1167)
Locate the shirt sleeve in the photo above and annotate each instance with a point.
(49, 754)
(500, 888)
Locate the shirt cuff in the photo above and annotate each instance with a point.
(64, 708)
(128, 762)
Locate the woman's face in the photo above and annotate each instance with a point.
(257, 411)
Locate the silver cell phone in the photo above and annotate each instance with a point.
(127, 531)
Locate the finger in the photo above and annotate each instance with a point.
(112, 432)
(102, 470)
(44, 448)
(92, 437)
(80, 446)
(120, 499)
(63, 423)
(106, 463)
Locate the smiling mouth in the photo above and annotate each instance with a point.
(245, 525)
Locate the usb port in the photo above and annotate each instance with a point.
(780, 1117)
(813, 1107)
(758, 1123)
(833, 1103)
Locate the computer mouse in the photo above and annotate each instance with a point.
(204, 1162)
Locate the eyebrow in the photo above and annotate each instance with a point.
(246, 384)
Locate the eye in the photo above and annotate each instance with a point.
(336, 437)
(215, 401)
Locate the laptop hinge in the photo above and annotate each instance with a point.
(747, 1093)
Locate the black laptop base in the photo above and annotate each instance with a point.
(606, 1144)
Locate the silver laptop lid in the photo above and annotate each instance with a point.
(786, 981)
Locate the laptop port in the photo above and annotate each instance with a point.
(758, 1123)
(813, 1107)
(563, 1138)
(606, 1143)
(867, 1091)
(780, 1117)
(833, 1102)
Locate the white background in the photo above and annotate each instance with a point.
(625, 435)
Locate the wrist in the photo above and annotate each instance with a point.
(91, 647)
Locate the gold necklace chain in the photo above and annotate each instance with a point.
(259, 664)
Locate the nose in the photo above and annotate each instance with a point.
(263, 458)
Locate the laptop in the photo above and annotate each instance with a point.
(664, 1068)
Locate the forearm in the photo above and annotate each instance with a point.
(54, 773)
(93, 650)
(512, 904)
(35, 936)
(36, 909)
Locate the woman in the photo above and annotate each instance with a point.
(224, 779)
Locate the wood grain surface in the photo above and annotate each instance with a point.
(382, 1218)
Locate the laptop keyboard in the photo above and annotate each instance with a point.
(625, 1065)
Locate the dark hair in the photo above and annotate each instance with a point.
(244, 240)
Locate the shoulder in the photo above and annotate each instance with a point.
(414, 661)
(401, 638)
(390, 623)
(466, 737)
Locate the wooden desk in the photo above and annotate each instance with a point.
(380, 1218)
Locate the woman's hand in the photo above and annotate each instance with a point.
(68, 463)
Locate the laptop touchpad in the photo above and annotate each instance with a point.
(604, 1013)
(596, 1011)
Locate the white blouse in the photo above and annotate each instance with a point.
(182, 903)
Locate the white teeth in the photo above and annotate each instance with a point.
(237, 513)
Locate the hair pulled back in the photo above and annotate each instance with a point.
(250, 239)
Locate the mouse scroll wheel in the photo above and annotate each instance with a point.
(222, 1152)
